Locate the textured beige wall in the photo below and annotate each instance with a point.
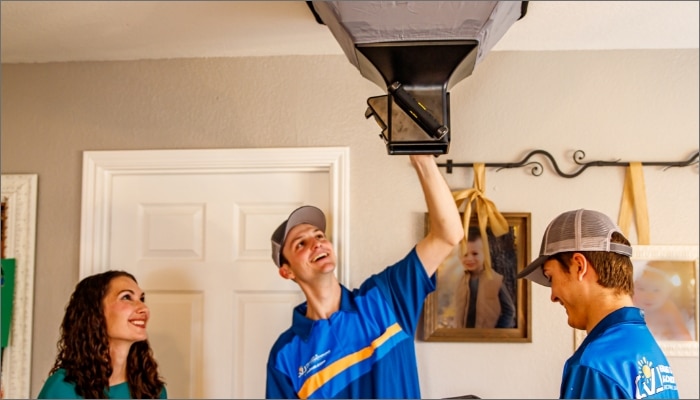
(628, 105)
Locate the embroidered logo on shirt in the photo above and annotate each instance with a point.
(653, 379)
(315, 362)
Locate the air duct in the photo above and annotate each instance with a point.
(417, 51)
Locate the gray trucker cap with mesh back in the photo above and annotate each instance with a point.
(577, 230)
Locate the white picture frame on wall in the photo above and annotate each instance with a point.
(683, 273)
(19, 192)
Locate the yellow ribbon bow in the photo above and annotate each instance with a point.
(486, 212)
(634, 200)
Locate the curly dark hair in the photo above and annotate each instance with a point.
(83, 347)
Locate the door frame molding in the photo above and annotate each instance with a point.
(101, 167)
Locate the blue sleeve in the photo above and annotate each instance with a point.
(164, 393)
(56, 387)
(586, 383)
(278, 385)
(507, 317)
(405, 285)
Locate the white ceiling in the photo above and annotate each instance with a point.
(49, 31)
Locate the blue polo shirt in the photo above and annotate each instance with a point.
(364, 350)
(619, 359)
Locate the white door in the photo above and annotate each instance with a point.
(198, 241)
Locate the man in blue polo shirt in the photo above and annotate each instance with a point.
(357, 343)
(585, 259)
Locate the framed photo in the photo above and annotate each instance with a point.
(665, 286)
(19, 200)
(500, 310)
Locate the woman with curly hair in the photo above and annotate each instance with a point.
(103, 351)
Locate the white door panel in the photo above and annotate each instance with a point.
(181, 353)
(199, 244)
(255, 333)
(186, 223)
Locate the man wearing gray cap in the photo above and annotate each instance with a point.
(585, 259)
(357, 343)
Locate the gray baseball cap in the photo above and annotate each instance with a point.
(578, 230)
(302, 215)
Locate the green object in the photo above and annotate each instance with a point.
(8, 292)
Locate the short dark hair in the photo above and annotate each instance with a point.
(614, 270)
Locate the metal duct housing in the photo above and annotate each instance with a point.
(416, 51)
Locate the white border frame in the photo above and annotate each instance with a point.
(673, 253)
(100, 167)
(21, 194)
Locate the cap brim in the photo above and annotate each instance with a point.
(535, 273)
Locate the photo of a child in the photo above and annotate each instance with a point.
(477, 297)
(665, 291)
(471, 297)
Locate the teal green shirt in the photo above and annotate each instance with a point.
(56, 387)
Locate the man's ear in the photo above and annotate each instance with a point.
(580, 263)
(285, 272)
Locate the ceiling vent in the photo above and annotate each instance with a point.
(417, 51)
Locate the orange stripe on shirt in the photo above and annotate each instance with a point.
(315, 381)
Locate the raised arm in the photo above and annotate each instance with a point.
(445, 226)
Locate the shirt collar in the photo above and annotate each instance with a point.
(624, 314)
(302, 326)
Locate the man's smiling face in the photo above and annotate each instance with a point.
(308, 252)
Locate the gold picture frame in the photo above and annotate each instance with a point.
(682, 267)
(510, 254)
